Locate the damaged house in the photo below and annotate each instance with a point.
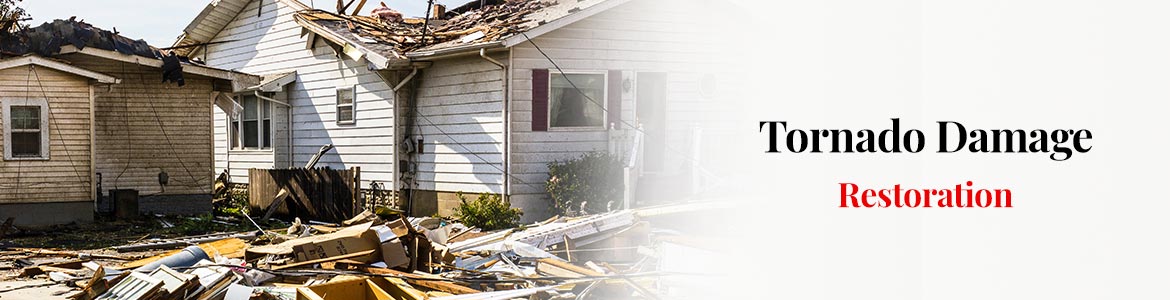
(472, 99)
(86, 114)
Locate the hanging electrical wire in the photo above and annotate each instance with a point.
(194, 181)
(65, 146)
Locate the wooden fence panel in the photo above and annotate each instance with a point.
(320, 194)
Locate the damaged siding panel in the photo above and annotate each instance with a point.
(64, 177)
(271, 43)
(627, 39)
(460, 115)
(145, 127)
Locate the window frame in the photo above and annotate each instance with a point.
(6, 111)
(236, 125)
(352, 105)
(604, 101)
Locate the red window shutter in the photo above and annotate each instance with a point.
(539, 99)
(614, 98)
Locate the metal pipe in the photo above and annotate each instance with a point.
(258, 95)
(483, 54)
(413, 71)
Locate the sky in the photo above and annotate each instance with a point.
(160, 22)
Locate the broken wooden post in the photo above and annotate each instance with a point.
(276, 202)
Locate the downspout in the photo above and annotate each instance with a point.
(507, 122)
(258, 95)
(402, 83)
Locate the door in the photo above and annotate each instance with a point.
(651, 111)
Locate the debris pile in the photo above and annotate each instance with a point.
(488, 23)
(386, 14)
(611, 255)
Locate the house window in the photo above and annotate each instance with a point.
(568, 107)
(253, 129)
(346, 106)
(26, 129)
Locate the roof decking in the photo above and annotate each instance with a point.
(477, 28)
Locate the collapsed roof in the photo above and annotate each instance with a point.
(61, 38)
(49, 38)
(475, 28)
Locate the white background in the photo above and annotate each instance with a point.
(1092, 227)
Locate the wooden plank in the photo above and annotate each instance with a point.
(422, 280)
(327, 259)
(563, 269)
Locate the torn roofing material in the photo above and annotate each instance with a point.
(479, 27)
(49, 38)
(61, 39)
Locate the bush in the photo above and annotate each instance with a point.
(594, 179)
(488, 212)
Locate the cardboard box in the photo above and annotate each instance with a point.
(354, 289)
(394, 254)
(352, 239)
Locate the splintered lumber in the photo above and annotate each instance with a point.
(42, 252)
(229, 248)
(276, 202)
(95, 287)
(558, 268)
(421, 280)
(323, 260)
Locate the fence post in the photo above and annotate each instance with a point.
(357, 191)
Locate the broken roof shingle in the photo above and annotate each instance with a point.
(480, 25)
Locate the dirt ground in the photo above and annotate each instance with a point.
(102, 234)
(33, 289)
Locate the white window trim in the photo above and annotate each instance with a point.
(6, 111)
(604, 101)
(353, 105)
(233, 137)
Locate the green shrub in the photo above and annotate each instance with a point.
(488, 212)
(594, 179)
(235, 203)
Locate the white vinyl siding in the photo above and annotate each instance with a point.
(266, 40)
(460, 120)
(639, 36)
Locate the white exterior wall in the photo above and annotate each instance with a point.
(640, 36)
(272, 43)
(461, 99)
